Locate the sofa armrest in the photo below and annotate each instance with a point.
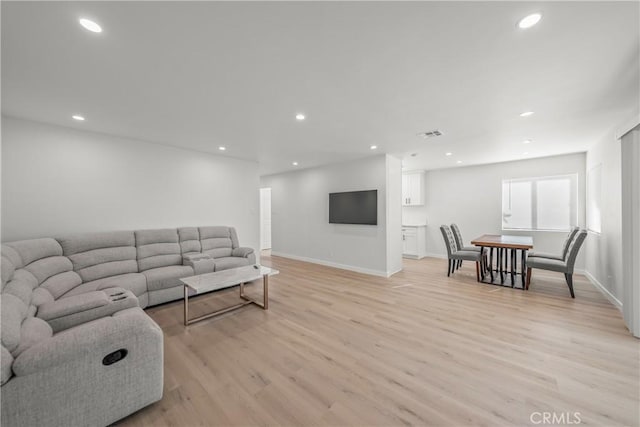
(71, 305)
(95, 339)
(242, 252)
(65, 313)
(82, 376)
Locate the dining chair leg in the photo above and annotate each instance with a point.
(528, 278)
(569, 278)
(478, 271)
(449, 268)
(486, 261)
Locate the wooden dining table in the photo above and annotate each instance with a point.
(506, 248)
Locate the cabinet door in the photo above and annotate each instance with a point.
(411, 244)
(409, 241)
(415, 189)
(405, 190)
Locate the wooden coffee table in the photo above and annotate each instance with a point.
(203, 283)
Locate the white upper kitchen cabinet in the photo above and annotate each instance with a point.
(413, 188)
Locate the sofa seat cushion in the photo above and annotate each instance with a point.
(218, 252)
(134, 282)
(166, 277)
(231, 262)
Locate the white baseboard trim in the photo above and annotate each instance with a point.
(333, 264)
(434, 255)
(612, 299)
(391, 273)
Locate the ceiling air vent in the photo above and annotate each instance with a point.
(430, 134)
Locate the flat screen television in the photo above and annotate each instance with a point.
(354, 207)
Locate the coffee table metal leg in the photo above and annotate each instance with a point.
(186, 305)
(265, 291)
(265, 297)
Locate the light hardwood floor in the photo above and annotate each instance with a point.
(341, 348)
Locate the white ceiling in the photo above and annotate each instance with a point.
(203, 74)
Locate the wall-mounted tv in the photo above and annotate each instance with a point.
(354, 207)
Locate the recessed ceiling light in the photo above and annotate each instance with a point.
(526, 114)
(527, 141)
(300, 116)
(90, 25)
(459, 161)
(529, 20)
(526, 153)
(78, 118)
(448, 154)
(374, 147)
(222, 148)
(295, 163)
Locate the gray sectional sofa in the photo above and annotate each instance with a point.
(77, 348)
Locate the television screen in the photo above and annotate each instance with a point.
(354, 207)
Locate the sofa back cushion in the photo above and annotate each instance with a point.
(216, 241)
(157, 248)
(27, 265)
(40, 272)
(98, 255)
(189, 238)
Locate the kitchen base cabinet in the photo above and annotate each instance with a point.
(414, 241)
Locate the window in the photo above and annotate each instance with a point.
(543, 203)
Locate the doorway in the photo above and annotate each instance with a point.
(265, 218)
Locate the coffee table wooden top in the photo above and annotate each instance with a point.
(226, 278)
(504, 241)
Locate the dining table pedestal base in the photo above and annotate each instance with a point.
(500, 266)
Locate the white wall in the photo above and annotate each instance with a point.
(630, 148)
(472, 197)
(57, 180)
(394, 214)
(603, 251)
(300, 216)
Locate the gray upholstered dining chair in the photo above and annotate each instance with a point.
(562, 266)
(454, 255)
(460, 243)
(565, 248)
